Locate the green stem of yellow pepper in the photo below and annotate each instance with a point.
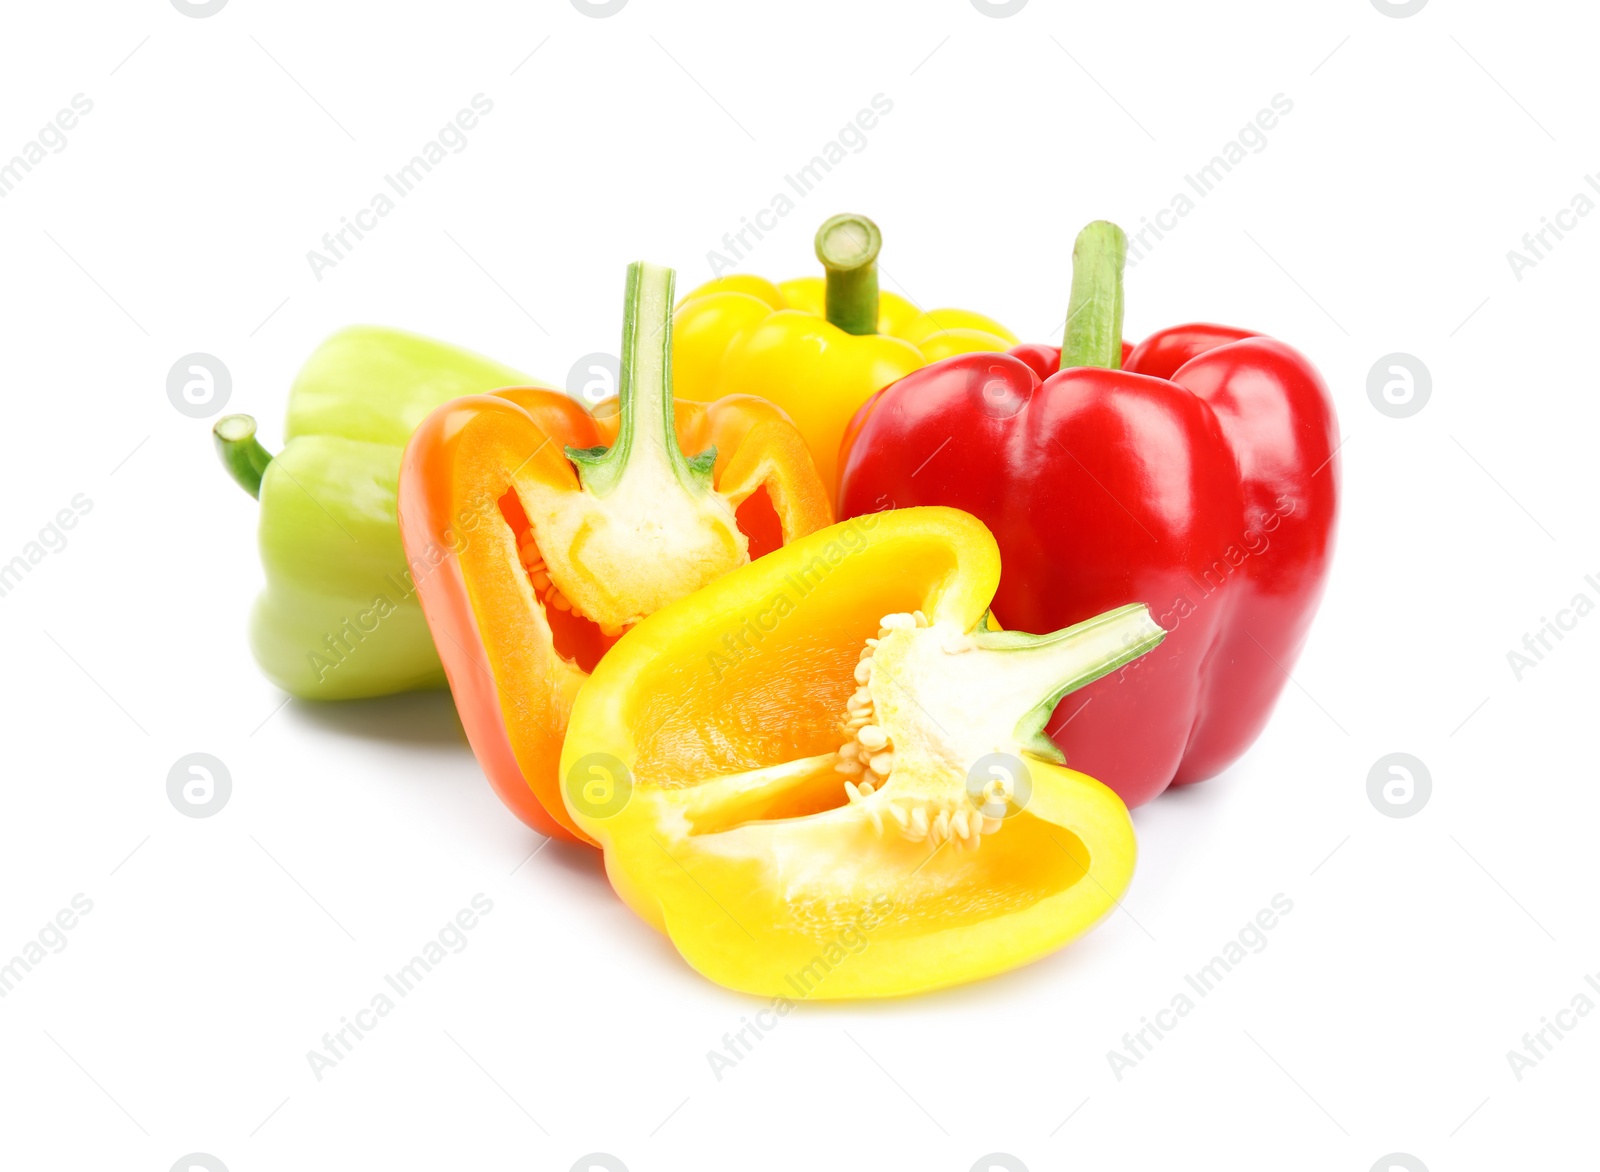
(241, 453)
(1094, 315)
(847, 246)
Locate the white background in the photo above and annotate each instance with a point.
(1377, 219)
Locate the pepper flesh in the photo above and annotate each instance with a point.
(1202, 476)
(704, 756)
(338, 618)
(539, 533)
(742, 334)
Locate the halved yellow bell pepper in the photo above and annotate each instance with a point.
(792, 771)
(819, 348)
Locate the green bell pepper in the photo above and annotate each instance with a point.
(339, 618)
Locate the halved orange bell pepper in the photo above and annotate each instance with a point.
(705, 757)
(538, 533)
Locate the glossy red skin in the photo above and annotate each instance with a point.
(1202, 480)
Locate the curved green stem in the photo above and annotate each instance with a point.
(1064, 661)
(241, 453)
(1094, 315)
(848, 245)
(646, 430)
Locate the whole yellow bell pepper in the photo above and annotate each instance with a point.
(819, 347)
(792, 771)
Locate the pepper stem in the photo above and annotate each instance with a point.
(847, 245)
(1044, 668)
(240, 452)
(646, 429)
(1094, 315)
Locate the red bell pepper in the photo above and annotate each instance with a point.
(1196, 472)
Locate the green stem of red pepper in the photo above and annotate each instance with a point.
(847, 245)
(1094, 315)
(241, 453)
